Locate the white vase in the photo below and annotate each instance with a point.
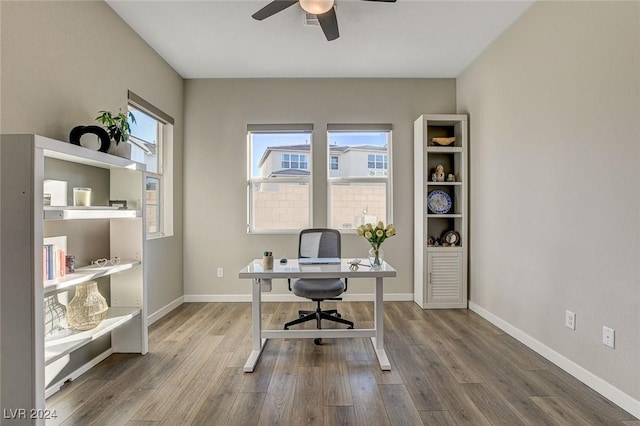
(376, 256)
(88, 308)
(122, 149)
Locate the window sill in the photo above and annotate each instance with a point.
(157, 236)
(274, 232)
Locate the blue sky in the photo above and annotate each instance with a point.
(145, 127)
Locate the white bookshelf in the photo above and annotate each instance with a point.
(440, 271)
(35, 364)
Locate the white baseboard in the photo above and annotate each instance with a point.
(604, 388)
(289, 297)
(77, 373)
(165, 310)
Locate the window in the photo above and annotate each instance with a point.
(294, 161)
(279, 176)
(146, 140)
(360, 189)
(151, 142)
(152, 193)
(377, 164)
(333, 163)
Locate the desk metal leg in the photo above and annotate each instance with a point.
(256, 320)
(378, 340)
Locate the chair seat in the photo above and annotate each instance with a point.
(318, 288)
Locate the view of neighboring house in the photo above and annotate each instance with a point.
(290, 160)
(345, 161)
(351, 203)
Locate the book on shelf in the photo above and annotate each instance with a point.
(54, 251)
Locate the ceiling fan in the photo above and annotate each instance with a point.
(323, 9)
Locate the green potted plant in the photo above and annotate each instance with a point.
(118, 126)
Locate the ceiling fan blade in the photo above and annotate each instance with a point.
(273, 8)
(329, 23)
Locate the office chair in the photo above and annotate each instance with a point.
(319, 242)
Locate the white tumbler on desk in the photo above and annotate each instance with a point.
(82, 197)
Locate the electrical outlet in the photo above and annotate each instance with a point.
(570, 320)
(220, 272)
(608, 337)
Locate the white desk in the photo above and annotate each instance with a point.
(259, 276)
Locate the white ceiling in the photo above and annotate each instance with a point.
(409, 38)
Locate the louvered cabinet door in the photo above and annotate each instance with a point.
(445, 279)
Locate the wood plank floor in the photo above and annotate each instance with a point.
(449, 367)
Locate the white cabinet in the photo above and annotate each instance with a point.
(440, 211)
(444, 278)
(34, 365)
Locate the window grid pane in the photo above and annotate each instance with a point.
(152, 196)
(280, 205)
(146, 140)
(354, 204)
(359, 182)
(334, 163)
(279, 176)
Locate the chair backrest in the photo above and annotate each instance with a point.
(319, 242)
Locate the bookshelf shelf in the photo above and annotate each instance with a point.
(87, 273)
(57, 347)
(68, 213)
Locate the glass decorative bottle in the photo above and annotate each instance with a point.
(54, 315)
(88, 307)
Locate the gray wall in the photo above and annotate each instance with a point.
(554, 110)
(62, 62)
(216, 116)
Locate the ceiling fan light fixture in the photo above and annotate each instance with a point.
(316, 7)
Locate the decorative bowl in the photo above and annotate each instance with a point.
(443, 141)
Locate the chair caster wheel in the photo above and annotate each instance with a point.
(338, 315)
(317, 341)
(301, 316)
(286, 328)
(350, 327)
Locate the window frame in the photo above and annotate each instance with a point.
(333, 181)
(308, 180)
(164, 174)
